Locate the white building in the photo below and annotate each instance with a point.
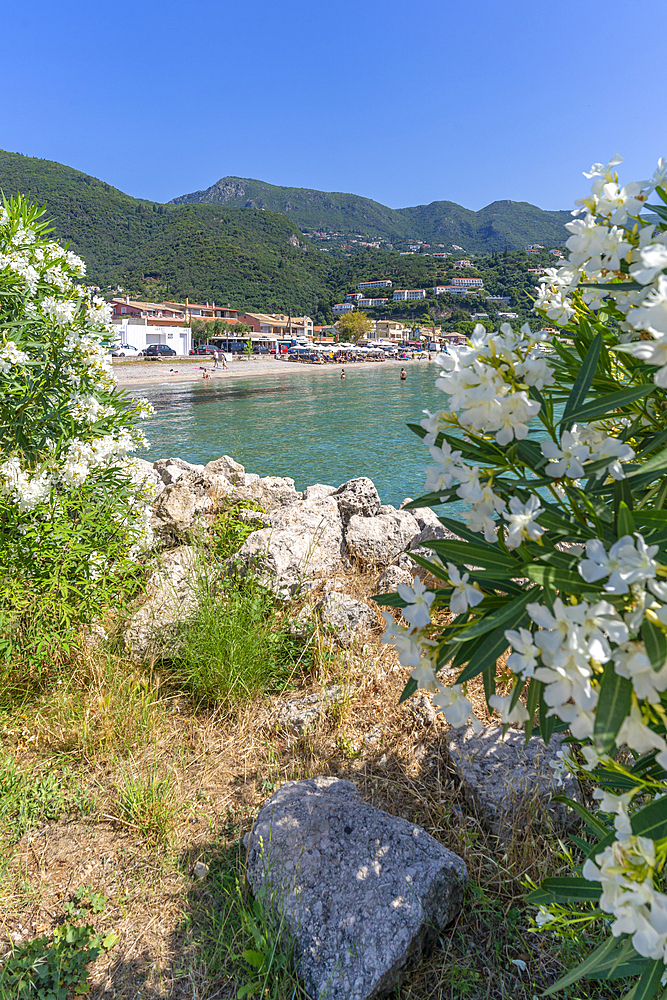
(382, 283)
(354, 296)
(343, 307)
(450, 290)
(371, 303)
(409, 294)
(137, 333)
(468, 282)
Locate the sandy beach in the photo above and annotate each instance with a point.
(137, 372)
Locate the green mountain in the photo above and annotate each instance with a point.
(252, 259)
(503, 223)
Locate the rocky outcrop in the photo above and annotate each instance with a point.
(344, 616)
(304, 543)
(171, 598)
(376, 541)
(297, 714)
(509, 783)
(357, 496)
(361, 894)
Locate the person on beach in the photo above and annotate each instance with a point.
(215, 356)
(206, 374)
(342, 373)
(404, 375)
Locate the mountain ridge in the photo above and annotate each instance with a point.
(499, 224)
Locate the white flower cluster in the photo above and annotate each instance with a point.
(613, 243)
(488, 378)
(88, 409)
(626, 870)
(25, 490)
(10, 356)
(582, 444)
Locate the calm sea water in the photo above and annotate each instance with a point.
(308, 425)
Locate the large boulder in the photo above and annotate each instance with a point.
(171, 597)
(304, 544)
(510, 784)
(186, 505)
(362, 894)
(318, 491)
(376, 541)
(232, 471)
(270, 492)
(345, 616)
(392, 577)
(171, 469)
(357, 496)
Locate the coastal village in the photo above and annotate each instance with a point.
(140, 324)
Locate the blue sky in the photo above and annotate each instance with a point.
(404, 103)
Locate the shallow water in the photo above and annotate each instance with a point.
(308, 425)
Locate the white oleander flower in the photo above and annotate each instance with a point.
(524, 659)
(465, 595)
(455, 707)
(566, 460)
(521, 520)
(419, 601)
(513, 716)
(627, 562)
(631, 660)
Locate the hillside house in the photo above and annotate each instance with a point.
(449, 290)
(381, 283)
(409, 294)
(343, 307)
(468, 282)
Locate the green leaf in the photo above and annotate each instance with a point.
(622, 963)
(595, 825)
(582, 383)
(492, 646)
(624, 520)
(502, 616)
(613, 706)
(655, 641)
(651, 821)
(608, 404)
(462, 553)
(253, 958)
(532, 701)
(390, 600)
(648, 985)
(623, 498)
(547, 722)
(408, 690)
(559, 579)
(572, 889)
(589, 965)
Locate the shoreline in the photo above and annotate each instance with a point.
(190, 370)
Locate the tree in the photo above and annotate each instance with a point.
(353, 326)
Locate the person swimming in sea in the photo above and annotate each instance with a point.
(342, 373)
(404, 375)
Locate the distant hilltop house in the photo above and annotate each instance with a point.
(371, 303)
(537, 270)
(343, 307)
(409, 294)
(509, 315)
(463, 263)
(382, 283)
(479, 315)
(449, 290)
(534, 248)
(441, 254)
(504, 299)
(468, 282)
(354, 296)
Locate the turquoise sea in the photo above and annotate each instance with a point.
(308, 425)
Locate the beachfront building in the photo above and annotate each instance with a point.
(371, 303)
(388, 330)
(381, 283)
(276, 331)
(343, 307)
(468, 282)
(409, 294)
(137, 332)
(205, 311)
(155, 313)
(450, 290)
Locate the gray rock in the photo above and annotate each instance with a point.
(271, 492)
(148, 476)
(508, 783)
(318, 491)
(171, 593)
(304, 544)
(376, 541)
(185, 505)
(386, 508)
(361, 893)
(392, 577)
(299, 713)
(433, 533)
(232, 471)
(345, 616)
(404, 561)
(171, 469)
(357, 496)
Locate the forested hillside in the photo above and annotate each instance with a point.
(503, 223)
(249, 257)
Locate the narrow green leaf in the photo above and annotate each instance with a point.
(655, 641)
(572, 889)
(389, 600)
(462, 553)
(624, 520)
(500, 617)
(408, 690)
(559, 579)
(613, 706)
(609, 404)
(582, 383)
(492, 646)
(651, 821)
(595, 825)
(585, 968)
(532, 701)
(648, 985)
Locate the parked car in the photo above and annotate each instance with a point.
(159, 351)
(198, 350)
(125, 349)
(261, 350)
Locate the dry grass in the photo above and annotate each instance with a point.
(110, 731)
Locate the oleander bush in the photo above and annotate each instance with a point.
(556, 445)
